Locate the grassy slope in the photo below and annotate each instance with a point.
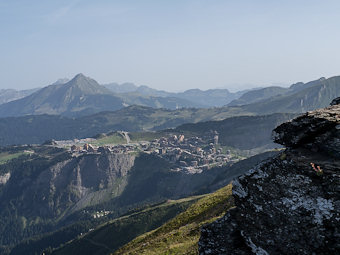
(181, 234)
(114, 138)
(5, 157)
(110, 236)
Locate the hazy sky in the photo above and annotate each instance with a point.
(169, 44)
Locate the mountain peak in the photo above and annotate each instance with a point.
(80, 77)
(82, 81)
(83, 85)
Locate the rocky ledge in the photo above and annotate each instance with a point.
(289, 204)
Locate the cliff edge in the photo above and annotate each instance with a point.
(289, 204)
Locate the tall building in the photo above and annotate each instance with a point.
(215, 138)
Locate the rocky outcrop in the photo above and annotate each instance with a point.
(87, 180)
(289, 204)
(336, 101)
(68, 185)
(317, 131)
(4, 178)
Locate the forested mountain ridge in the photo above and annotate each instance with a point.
(37, 129)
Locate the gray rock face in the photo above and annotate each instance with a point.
(4, 178)
(318, 131)
(75, 183)
(289, 204)
(92, 179)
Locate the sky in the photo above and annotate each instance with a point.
(170, 45)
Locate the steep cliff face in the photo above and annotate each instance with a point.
(289, 204)
(79, 182)
(46, 189)
(54, 189)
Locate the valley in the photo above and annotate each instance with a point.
(169, 127)
(76, 185)
(74, 174)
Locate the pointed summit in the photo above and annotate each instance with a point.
(81, 95)
(86, 85)
(80, 76)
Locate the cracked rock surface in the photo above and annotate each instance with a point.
(288, 204)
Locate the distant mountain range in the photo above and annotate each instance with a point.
(208, 98)
(8, 95)
(36, 129)
(299, 98)
(83, 96)
(257, 95)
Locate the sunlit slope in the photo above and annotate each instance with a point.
(181, 234)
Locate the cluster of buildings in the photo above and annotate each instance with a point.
(90, 148)
(192, 155)
(99, 214)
